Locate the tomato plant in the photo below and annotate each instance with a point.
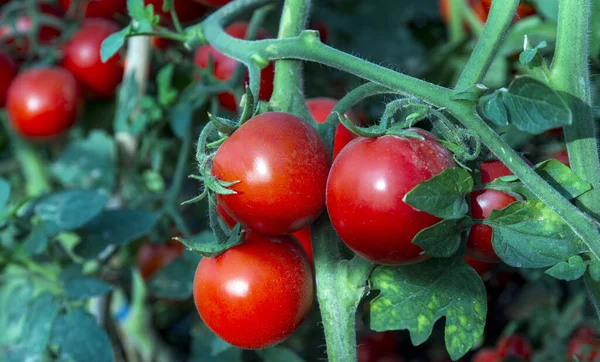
(515, 346)
(187, 10)
(9, 71)
(215, 3)
(97, 8)
(319, 109)
(266, 279)
(153, 257)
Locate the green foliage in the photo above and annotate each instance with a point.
(443, 239)
(175, 281)
(572, 269)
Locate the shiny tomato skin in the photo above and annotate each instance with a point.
(586, 350)
(282, 165)
(8, 72)
(224, 67)
(319, 109)
(487, 355)
(303, 237)
(479, 243)
(256, 294)
(365, 191)
(98, 8)
(43, 102)
(214, 3)
(515, 346)
(482, 9)
(481, 267)
(491, 170)
(187, 10)
(153, 257)
(82, 58)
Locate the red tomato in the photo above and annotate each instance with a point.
(523, 11)
(159, 43)
(9, 72)
(365, 192)
(15, 37)
(187, 10)
(390, 358)
(586, 350)
(303, 237)
(214, 3)
(481, 267)
(224, 67)
(322, 28)
(491, 170)
(319, 109)
(43, 102)
(487, 355)
(515, 346)
(562, 156)
(482, 9)
(366, 353)
(82, 58)
(483, 202)
(282, 165)
(585, 332)
(256, 294)
(382, 342)
(98, 8)
(153, 257)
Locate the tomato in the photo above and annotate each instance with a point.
(82, 58)
(153, 257)
(214, 3)
(481, 267)
(43, 102)
(365, 192)
(224, 67)
(491, 170)
(282, 165)
(98, 8)
(159, 42)
(585, 332)
(15, 37)
(303, 236)
(515, 346)
(366, 353)
(264, 285)
(586, 350)
(187, 10)
(390, 358)
(378, 346)
(483, 202)
(319, 109)
(8, 73)
(487, 355)
(482, 9)
(563, 157)
(523, 10)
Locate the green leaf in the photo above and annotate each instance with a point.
(562, 178)
(593, 288)
(277, 354)
(82, 288)
(79, 338)
(4, 193)
(548, 8)
(175, 281)
(37, 241)
(114, 227)
(166, 93)
(472, 93)
(493, 108)
(442, 240)
(70, 209)
(15, 299)
(136, 9)
(415, 296)
(534, 107)
(88, 164)
(206, 244)
(536, 30)
(530, 235)
(594, 269)
(571, 270)
(203, 341)
(114, 42)
(528, 55)
(443, 195)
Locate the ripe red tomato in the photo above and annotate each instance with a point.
(159, 43)
(224, 67)
(491, 170)
(523, 10)
(482, 9)
(187, 10)
(282, 165)
(365, 192)
(378, 346)
(214, 3)
(14, 37)
(481, 267)
(585, 332)
(562, 156)
(319, 109)
(98, 8)
(303, 237)
(390, 358)
(43, 102)
(8, 73)
(586, 350)
(264, 285)
(514, 346)
(82, 58)
(483, 202)
(487, 355)
(153, 257)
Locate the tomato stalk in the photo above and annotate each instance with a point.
(570, 76)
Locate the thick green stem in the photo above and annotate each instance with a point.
(288, 92)
(571, 77)
(501, 16)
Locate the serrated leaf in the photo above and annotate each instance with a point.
(89, 164)
(70, 209)
(206, 244)
(37, 241)
(4, 193)
(530, 235)
(534, 107)
(415, 296)
(493, 108)
(114, 42)
(442, 240)
(81, 288)
(277, 354)
(562, 178)
(571, 270)
(175, 281)
(443, 195)
(79, 338)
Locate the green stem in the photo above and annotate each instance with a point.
(288, 93)
(571, 77)
(180, 168)
(168, 35)
(501, 16)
